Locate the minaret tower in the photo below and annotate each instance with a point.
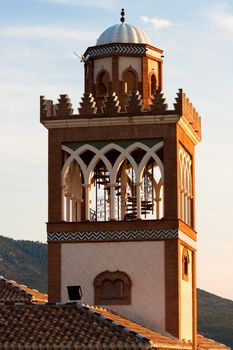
(121, 188)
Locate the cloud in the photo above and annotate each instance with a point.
(158, 23)
(220, 16)
(46, 32)
(223, 20)
(95, 3)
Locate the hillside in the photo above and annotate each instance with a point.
(26, 262)
(215, 317)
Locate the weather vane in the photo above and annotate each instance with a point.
(122, 16)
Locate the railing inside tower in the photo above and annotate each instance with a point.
(93, 215)
(135, 192)
(100, 196)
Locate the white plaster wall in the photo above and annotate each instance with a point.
(103, 63)
(183, 237)
(186, 301)
(142, 261)
(134, 62)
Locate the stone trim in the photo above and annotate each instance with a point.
(110, 121)
(112, 235)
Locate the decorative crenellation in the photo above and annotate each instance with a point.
(184, 107)
(158, 105)
(64, 107)
(111, 104)
(88, 105)
(60, 110)
(112, 235)
(46, 108)
(133, 105)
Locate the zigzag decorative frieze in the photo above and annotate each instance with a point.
(112, 235)
(119, 49)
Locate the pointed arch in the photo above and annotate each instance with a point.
(185, 186)
(130, 80)
(102, 83)
(112, 288)
(152, 83)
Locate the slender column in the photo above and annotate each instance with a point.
(124, 179)
(112, 200)
(185, 206)
(74, 211)
(67, 209)
(78, 211)
(158, 208)
(194, 300)
(157, 201)
(63, 198)
(182, 215)
(138, 185)
(87, 201)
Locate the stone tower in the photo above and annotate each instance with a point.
(122, 190)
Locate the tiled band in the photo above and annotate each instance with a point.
(115, 49)
(112, 235)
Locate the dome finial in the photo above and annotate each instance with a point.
(122, 16)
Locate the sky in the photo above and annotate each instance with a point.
(38, 39)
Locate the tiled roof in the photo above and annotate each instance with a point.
(25, 320)
(209, 344)
(78, 326)
(11, 291)
(156, 339)
(74, 326)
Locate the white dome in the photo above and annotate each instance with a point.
(123, 33)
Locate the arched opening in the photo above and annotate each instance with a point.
(185, 187)
(185, 264)
(73, 193)
(126, 192)
(129, 80)
(103, 80)
(151, 191)
(100, 193)
(152, 84)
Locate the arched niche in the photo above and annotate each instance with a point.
(112, 288)
(73, 194)
(185, 264)
(185, 187)
(130, 80)
(102, 83)
(153, 83)
(151, 194)
(99, 195)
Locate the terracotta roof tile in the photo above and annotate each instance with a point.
(78, 326)
(11, 291)
(67, 325)
(209, 344)
(155, 338)
(26, 323)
